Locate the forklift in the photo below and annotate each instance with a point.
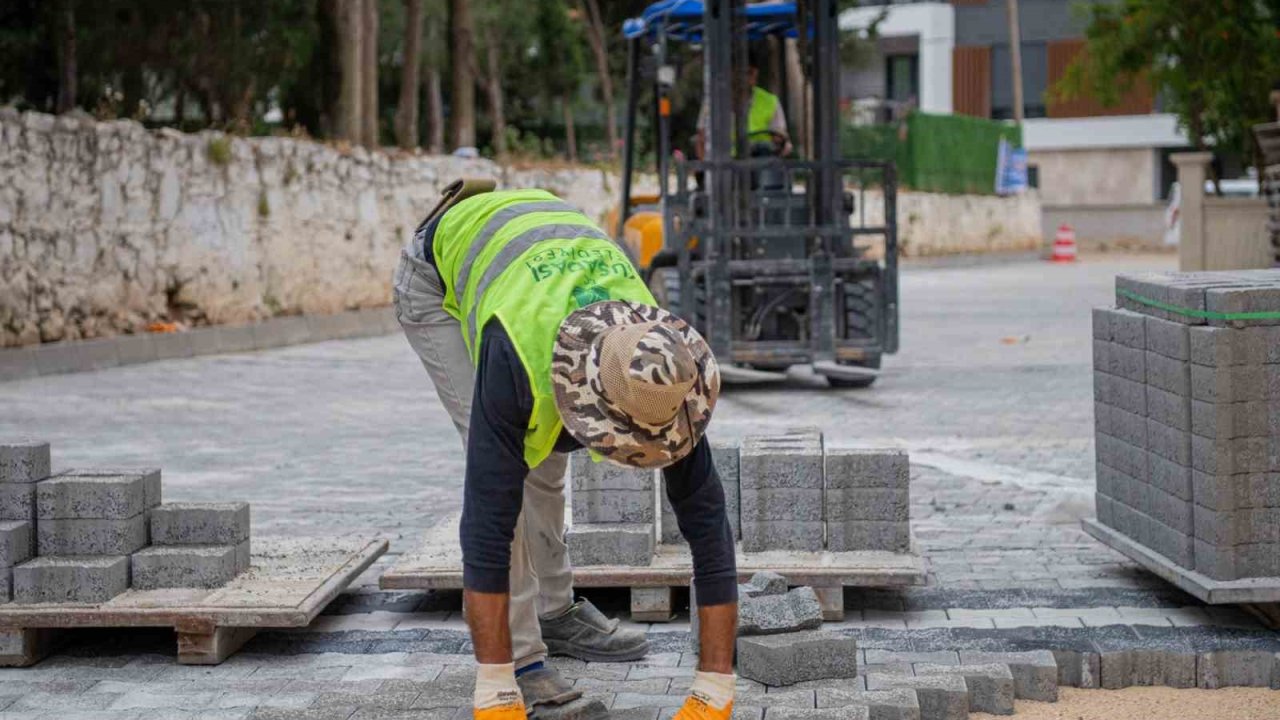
(777, 261)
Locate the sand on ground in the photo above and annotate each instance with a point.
(1151, 703)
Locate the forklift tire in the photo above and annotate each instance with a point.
(871, 362)
(664, 283)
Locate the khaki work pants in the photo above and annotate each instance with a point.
(541, 578)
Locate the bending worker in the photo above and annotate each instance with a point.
(541, 338)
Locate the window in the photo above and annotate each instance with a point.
(1035, 80)
(902, 77)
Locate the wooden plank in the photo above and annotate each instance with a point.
(652, 604)
(439, 566)
(1267, 613)
(211, 648)
(289, 582)
(22, 647)
(1199, 585)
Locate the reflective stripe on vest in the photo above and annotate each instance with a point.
(528, 260)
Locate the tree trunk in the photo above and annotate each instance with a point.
(493, 84)
(66, 57)
(369, 73)
(407, 105)
(596, 34)
(462, 110)
(435, 112)
(346, 120)
(570, 133)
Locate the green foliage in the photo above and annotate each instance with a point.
(219, 151)
(264, 206)
(935, 153)
(1214, 62)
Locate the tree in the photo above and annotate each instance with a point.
(66, 56)
(346, 19)
(368, 73)
(462, 114)
(559, 60)
(596, 34)
(1214, 61)
(407, 105)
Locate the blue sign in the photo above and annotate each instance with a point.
(1011, 169)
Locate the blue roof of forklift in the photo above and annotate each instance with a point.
(682, 20)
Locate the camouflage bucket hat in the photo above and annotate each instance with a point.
(633, 382)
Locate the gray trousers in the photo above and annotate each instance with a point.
(541, 578)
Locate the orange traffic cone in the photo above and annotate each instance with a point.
(1064, 245)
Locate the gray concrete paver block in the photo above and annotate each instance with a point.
(91, 536)
(24, 461)
(847, 713)
(851, 535)
(186, 523)
(116, 497)
(586, 474)
(1035, 672)
(17, 501)
(15, 542)
(847, 468)
(1235, 668)
(1128, 328)
(990, 686)
(941, 697)
(867, 504)
(1147, 667)
(611, 543)
(613, 506)
(761, 536)
(778, 660)
(797, 609)
(70, 579)
(1167, 338)
(781, 505)
(896, 704)
(176, 566)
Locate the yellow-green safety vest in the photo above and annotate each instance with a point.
(528, 259)
(763, 105)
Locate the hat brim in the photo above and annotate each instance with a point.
(598, 424)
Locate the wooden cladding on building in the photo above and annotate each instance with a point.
(971, 81)
(1140, 100)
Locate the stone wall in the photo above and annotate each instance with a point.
(107, 227)
(1106, 176)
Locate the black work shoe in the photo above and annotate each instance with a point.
(544, 687)
(580, 709)
(583, 632)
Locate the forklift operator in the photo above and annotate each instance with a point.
(766, 123)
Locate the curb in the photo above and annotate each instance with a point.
(98, 354)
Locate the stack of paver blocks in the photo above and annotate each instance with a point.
(80, 535)
(782, 492)
(613, 513)
(194, 545)
(1187, 412)
(868, 500)
(725, 457)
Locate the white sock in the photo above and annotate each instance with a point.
(496, 686)
(715, 689)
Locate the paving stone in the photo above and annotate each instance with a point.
(70, 579)
(725, 458)
(867, 504)
(941, 697)
(782, 461)
(1215, 561)
(1231, 384)
(1169, 476)
(852, 535)
(783, 535)
(1128, 328)
(1167, 374)
(1169, 408)
(781, 504)
(1221, 347)
(797, 609)
(15, 542)
(1167, 338)
(1035, 673)
(896, 704)
(764, 582)
(1233, 456)
(847, 468)
(1076, 668)
(611, 543)
(795, 657)
(847, 713)
(613, 506)
(24, 461)
(1130, 428)
(877, 656)
(586, 474)
(1235, 668)
(84, 536)
(220, 523)
(1235, 300)
(1122, 457)
(199, 566)
(116, 497)
(1169, 443)
(1145, 667)
(990, 686)
(17, 501)
(1227, 420)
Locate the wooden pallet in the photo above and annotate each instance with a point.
(1259, 596)
(437, 564)
(289, 583)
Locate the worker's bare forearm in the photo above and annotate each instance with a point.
(490, 629)
(718, 626)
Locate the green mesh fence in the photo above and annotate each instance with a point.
(935, 153)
